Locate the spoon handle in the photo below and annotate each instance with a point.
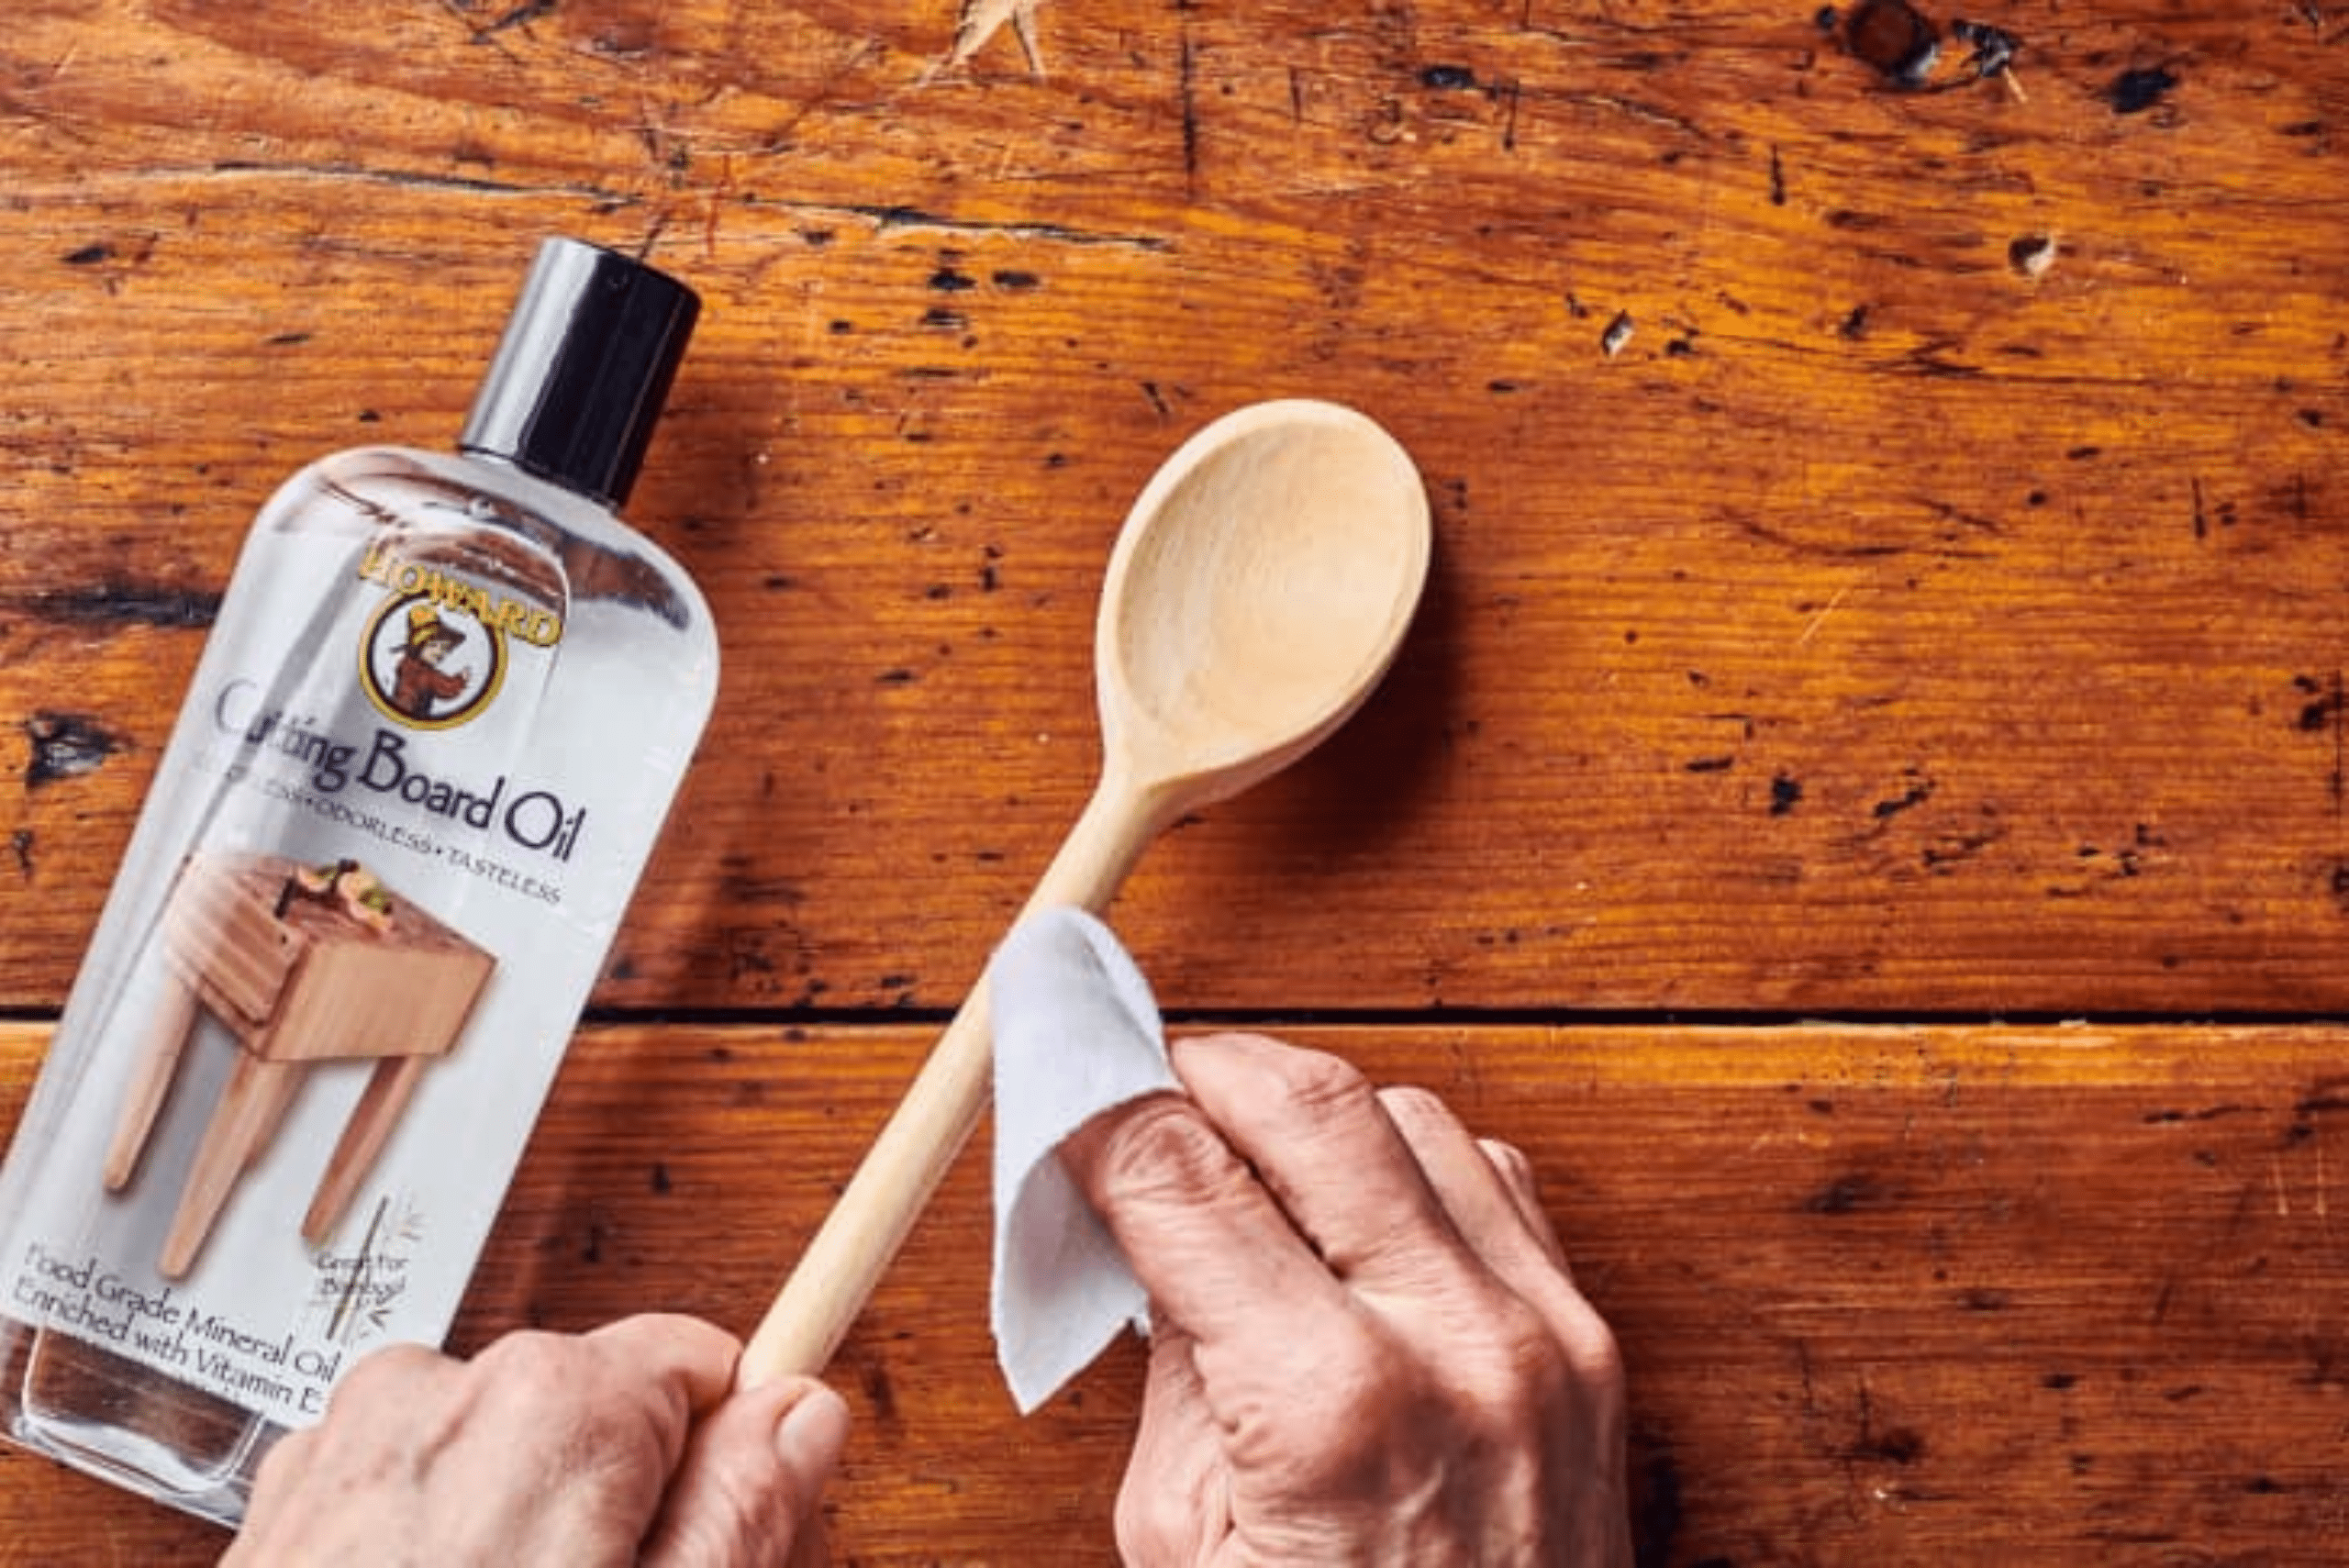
(838, 1272)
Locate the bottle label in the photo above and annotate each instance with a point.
(383, 857)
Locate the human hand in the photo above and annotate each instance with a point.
(620, 1446)
(1367, 1347)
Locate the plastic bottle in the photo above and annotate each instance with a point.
(431, 739)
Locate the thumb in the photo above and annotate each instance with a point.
(752, 1484)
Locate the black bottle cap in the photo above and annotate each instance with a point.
(585, 363)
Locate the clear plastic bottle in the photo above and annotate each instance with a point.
(428, 748)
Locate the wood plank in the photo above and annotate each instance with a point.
(1952, 1295)
(1881, 628)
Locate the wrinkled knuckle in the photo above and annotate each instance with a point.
(1332, 1426)
(1165, 1152)
(1317, 1082)
(739, 1514)
(1550, 1366)
(537, 1368)
(391, 1374)
(529, 1355)
(1591, 1347)
(1351, 1382)
(1518, 1362)
(1370, 1381)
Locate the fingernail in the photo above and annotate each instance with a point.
(812, 1433)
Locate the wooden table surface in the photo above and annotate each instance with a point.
(1864, 804)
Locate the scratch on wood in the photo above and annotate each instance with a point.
(1636, 110)
(887, 218)
(420, 180)
(1811, 629)
(506, 21)
(24, 108)
(1186, 76)
(980, 21)
(1755, 528)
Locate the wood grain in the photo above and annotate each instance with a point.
(1880, 628)
(1891, 558)
(1951, 1295)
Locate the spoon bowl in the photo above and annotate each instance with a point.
(1258, 591)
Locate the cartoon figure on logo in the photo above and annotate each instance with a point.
(429, 662)
(419, 686)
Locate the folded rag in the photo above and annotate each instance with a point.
(1075, 1032)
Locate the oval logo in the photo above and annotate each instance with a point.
(428, 665)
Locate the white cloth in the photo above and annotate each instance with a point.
(1075, 1032)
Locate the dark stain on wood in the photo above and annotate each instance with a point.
(2319, 715)
(66, 746)
(2173, 1116)
(1993, 48)
(1658, 1515)
(1896, 1445)
(1849, 1193)
(879, 1392)
(109, 605)
(2321, 1098)
(1916, 795)
(1896, 38)
(2134, 91)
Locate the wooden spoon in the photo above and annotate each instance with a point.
(1257, 592)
